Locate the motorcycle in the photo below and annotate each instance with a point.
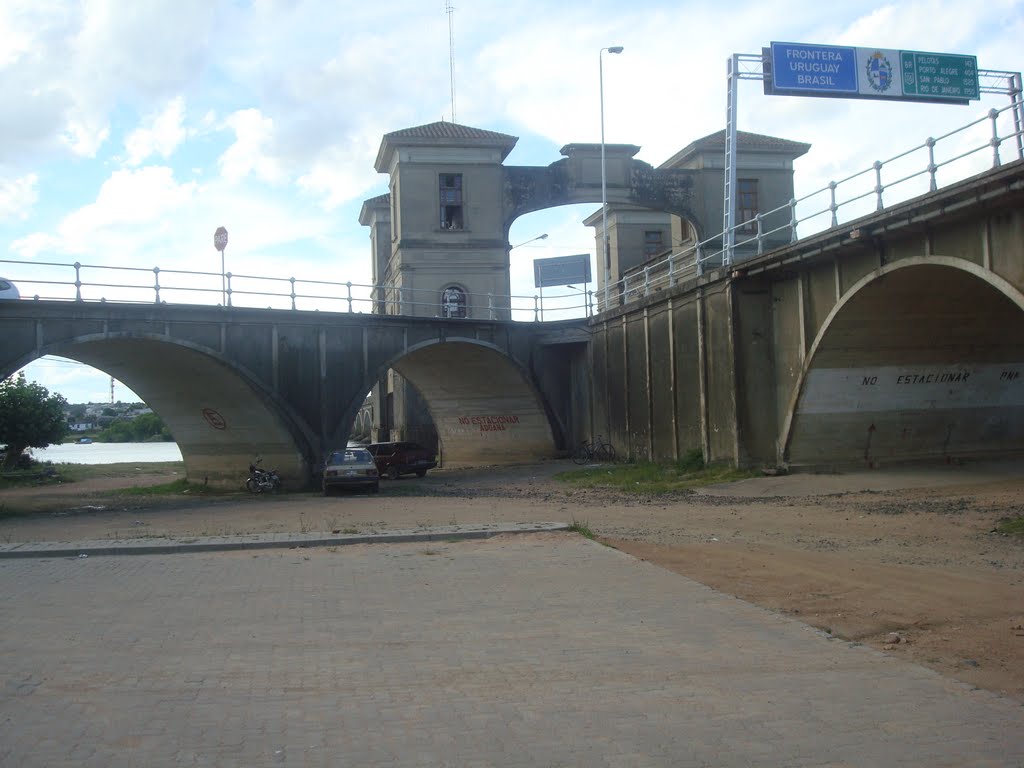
(261, 480)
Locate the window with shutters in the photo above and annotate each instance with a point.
(746, 205)
(450, 195)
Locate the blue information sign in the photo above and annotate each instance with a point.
(561, 270)
(802, 67)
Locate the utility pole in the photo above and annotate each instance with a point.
(450, 10)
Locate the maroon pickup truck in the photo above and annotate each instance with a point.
(401, 458)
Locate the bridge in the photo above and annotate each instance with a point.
(233, 383)
(895, 336)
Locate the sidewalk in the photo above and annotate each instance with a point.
(544, 650)
(166, 546)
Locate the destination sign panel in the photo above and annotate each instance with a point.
(561, 270)
(939, 76)
(801, 69)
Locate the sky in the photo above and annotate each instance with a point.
(130, 131)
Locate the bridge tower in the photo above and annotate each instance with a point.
(448, 251)
(439, 242)
(638, 234)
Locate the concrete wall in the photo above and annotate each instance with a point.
(485, 409)
(663, 378)
(896, 337)
(925, 359)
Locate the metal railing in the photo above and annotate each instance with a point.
(855, 195)
(56, 281)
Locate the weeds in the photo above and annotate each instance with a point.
(582, 528)
(181, 485)
(1011, 526)
(48, 472)
(646, 477)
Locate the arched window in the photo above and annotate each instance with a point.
(453, 302)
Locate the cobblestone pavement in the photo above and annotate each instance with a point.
(520, 650)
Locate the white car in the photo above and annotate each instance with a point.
(8, 290)
(350, 468)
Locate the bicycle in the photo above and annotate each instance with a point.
(598, 450)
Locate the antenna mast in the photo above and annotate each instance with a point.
(450, 10)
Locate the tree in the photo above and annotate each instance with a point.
(30, 417)
(145, 428)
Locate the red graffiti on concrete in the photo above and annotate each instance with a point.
(214, 419)
(490, 423)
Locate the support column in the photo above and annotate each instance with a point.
(702, 364)
(650, 385)
(625, 385)
(673, 379)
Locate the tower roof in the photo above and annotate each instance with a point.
(747, 142)
(442, 133)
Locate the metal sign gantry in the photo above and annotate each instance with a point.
(751, 66)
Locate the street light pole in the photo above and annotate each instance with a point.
(538, 237)
(604, 181)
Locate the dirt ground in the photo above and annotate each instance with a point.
(903, 560)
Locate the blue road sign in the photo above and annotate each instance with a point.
(823, 68)
(561, 270)
(802, 69)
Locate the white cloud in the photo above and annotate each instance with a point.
(31, 246)
(17, 196)
(143, 52)
(84, 134)
(247, 156)
(15, 39)
(341, 174)
(67, 65)
(161, 134)
(148, 194)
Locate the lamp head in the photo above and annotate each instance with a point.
(615, 49)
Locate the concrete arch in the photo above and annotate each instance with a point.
(574, 179)
(899, 373)
(482, 402)
(217, 411)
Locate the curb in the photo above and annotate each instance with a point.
(262, 541)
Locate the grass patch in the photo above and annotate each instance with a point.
(1011, 526)
(581, 527)
(179, 486)
(46, 473)
(73, 472)
(646, 477)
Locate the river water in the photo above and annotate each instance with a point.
(107, 453)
